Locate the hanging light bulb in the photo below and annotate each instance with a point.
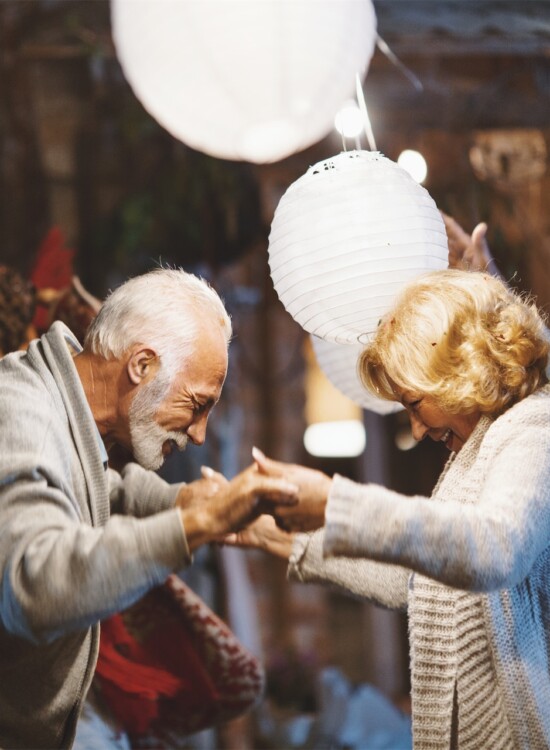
(349, 120)
(414, 163)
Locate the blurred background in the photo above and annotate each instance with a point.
(85, 169)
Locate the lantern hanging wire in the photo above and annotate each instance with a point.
(392, 57)
(364, 112)
(362, 108)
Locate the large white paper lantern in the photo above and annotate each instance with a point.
(346, 236)
(339, 363)
(252, 80)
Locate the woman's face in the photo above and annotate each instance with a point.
(427, 419)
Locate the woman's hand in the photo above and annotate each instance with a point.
(264, 534)
(308, 513)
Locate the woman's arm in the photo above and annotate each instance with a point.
(485, 546)
(384, 584)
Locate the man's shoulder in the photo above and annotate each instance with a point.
(20, 381)
(30, 407)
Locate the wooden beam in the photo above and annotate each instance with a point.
(463, 27)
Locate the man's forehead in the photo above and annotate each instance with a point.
(203, 374)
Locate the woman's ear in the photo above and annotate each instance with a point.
(142, 365)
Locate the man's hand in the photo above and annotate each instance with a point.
(313, 488)
(200, 490)
(236, 504)
(264, 534)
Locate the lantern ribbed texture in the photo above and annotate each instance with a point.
(339, 363)
(252, 80)
(346, 236)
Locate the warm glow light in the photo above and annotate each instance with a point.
(253, 81)
(414, 163)
(349, 120)
(344, 439)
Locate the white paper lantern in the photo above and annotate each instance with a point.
(252, 80)
(345, 238)
(339, 363)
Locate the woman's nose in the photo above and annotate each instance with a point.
(418, 428)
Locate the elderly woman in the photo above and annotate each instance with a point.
(466, 357)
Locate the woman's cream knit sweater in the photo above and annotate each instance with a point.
(472, 566)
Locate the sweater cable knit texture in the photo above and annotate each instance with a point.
(472, 566)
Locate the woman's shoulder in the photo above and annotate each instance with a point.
(534, 408)
(539, 399)
(524, 428)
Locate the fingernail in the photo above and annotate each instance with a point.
(207, 472)
(257, 454)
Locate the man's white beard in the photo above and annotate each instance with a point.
(146, 435)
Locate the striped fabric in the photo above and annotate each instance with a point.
(449, 651)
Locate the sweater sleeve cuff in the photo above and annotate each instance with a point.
(306, 556)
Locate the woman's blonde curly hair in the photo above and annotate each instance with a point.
(463, 338)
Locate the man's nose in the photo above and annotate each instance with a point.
(196, 432)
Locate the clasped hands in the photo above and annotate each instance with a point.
(260, 507)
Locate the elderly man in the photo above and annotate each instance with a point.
(79, 541)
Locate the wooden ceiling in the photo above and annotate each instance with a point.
(481, 64)
(464, 27)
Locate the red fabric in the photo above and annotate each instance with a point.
(53, 269)
(170, 664)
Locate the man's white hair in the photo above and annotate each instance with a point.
(164, 309)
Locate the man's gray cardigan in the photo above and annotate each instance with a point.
(78, 542)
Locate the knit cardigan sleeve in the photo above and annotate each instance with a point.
(493, 520)
(139, 493)
(384, 584)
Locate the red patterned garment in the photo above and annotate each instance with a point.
(169, 665)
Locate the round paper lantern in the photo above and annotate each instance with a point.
(339, 363)
(252, 80)
(346, 236)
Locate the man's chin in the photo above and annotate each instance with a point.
(151, 453)
(152, 464)
(149, 460)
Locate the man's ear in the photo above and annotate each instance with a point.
(142, 364)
